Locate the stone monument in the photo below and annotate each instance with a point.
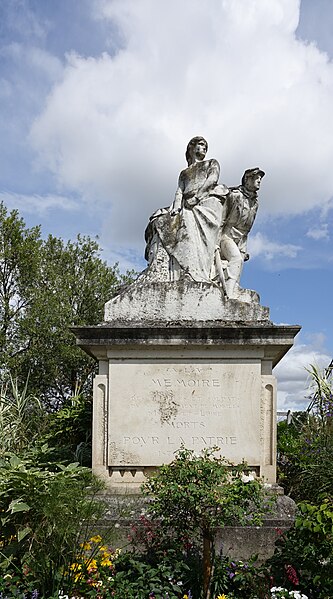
(185, 354)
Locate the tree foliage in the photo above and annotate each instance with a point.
(305, 445)
(196, 494)
(45, 287)
(20, 250)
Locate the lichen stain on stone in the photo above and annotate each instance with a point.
(121, 457)
(168, 408)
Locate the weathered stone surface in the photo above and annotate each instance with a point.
(159, 406)
(201, 384)
(181, 301)
(237, 542)
(203, 234)
(242, 542)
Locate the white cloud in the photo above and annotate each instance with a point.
(37, 204)
(318, 233)
(260, 245)
(293, 379)
(32, 59)
(115, 128)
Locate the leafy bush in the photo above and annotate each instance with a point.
(303, 555)
(69, 430)
(126, 575)
(305, 446)
(240, 579)
(193, 495)
(44, 513)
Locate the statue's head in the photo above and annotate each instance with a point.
(252, 178)
(196, 146)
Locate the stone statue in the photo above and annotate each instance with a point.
(202, 236)
(241, 209)
(188, 230)
(195, 251)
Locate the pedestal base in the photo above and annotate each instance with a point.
(236, 542)
(196, 384)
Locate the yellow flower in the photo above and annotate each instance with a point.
(75, 566)
(222, 596)
(105, 561)
(96, 539)
(85, 546)
(103, 548)
(92, 565)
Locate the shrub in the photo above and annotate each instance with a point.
(125, 575)
(193, 495)
(303, 555)
(305, 446)
(44, 514)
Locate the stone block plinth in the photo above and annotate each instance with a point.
(200, 384)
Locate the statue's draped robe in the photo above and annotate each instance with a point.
(191, 236)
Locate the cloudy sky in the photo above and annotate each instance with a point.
(98, 99)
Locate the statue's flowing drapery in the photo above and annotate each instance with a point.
(191, 236)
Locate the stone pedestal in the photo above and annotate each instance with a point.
(197, 383)
(237, 542)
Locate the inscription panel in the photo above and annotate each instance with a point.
(155, 407)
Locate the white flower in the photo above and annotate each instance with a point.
(275, 591)
(247, 478)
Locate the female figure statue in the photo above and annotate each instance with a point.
(189, 229)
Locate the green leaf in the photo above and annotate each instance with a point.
(23, 533)
(15, 461)
(73, 466)
(18, 506)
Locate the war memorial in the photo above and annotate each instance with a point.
(185, 354)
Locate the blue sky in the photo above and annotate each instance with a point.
(100, 97)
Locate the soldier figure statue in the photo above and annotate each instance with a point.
(241, 209)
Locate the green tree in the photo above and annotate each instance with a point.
(46, 286)
(196, 494)
(20, 250)
(74, 285)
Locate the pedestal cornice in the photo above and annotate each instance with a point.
(274, 340)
